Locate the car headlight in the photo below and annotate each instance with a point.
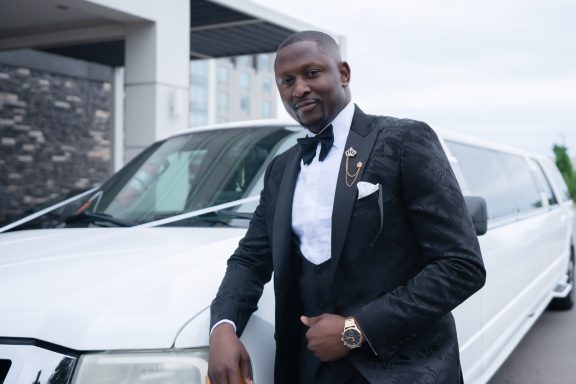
(143, 367)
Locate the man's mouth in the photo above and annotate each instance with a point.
(304, 106)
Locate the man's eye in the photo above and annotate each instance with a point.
(287, 81)
(312, 73)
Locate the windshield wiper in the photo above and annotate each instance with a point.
(218, 217)
(221, 216)
(95, 218)
(230, 214)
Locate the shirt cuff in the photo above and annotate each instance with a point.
(221, 322)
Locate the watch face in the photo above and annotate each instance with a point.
(351, 337)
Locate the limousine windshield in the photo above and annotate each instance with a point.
(187, 173)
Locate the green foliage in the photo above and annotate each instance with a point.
(565, 166)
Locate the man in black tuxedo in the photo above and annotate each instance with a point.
(368, 235)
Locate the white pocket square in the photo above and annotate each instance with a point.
(365, 189)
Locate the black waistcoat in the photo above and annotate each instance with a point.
(315, 299)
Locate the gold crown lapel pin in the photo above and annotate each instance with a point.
(351, 177)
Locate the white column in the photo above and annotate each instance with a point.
(118, 118)
(212, 90)
(157, 77)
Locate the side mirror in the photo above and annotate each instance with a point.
(477, 208)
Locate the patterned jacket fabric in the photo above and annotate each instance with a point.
(403, 257)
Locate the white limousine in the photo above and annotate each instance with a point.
(114, 285)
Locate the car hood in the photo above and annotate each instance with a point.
(116, 288)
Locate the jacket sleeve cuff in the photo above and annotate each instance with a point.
(222, 322)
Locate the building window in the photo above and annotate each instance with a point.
(266, 109)
(266, 85)
(222, 74)
(244, 61)
(198, 97)
(222, 101)
(264, 62)
(245, 104)
(198, 92)
(245, 80)
(198, 118)
(199, 68)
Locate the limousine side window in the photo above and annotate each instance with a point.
(556, 176)
(504, 180)
(543, 183)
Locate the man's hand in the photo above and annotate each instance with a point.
(325, 336)
(228, 362)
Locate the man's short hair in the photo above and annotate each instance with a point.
(324, 41)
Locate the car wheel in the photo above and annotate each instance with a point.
(566, 303)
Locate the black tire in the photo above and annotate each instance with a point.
(566, 303)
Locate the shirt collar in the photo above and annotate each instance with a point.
(341, 125)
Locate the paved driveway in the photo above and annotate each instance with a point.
(547, 354)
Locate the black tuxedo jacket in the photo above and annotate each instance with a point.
(402, 258)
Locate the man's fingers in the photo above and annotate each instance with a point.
(310, 321)
(237, 375)
(246, 370)
(228, 359)
(217, 377)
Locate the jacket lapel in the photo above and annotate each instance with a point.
(282, 230)
(361, 139)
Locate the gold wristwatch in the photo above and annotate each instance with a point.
(351, 336)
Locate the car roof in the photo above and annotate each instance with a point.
(290, 124)
(263, 123)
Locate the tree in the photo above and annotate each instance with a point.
(566, 169)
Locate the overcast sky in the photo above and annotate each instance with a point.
(501, 70)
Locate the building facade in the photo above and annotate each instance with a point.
(232, 89)
(55, 129)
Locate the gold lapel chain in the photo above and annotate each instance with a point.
(351, 152)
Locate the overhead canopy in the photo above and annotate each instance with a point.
(218, 28)
(217, 31)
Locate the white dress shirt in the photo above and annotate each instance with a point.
(314, 194)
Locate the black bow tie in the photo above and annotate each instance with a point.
(309, 145)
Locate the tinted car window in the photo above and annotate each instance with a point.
(543, 183)
(521, 183)
(556, 178)
(503, 179)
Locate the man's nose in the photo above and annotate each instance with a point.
(301, 88)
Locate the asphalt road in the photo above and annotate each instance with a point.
(546, 355)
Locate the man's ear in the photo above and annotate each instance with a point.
(344, 69)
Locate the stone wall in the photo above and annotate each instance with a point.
(55, 129)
